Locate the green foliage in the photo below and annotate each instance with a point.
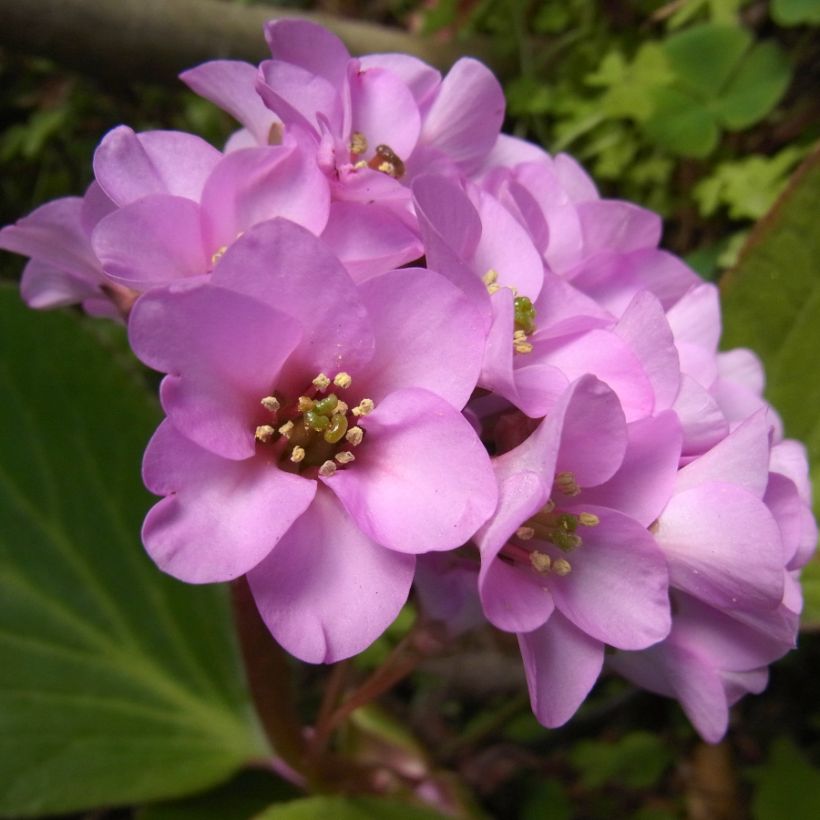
(117, 684)
(772, 303)
(347, 808)
(787, 786)
(636, 761)
(547, 800)
(748, 187)
(796, 12)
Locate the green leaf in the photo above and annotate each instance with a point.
(788, 787)
(636, 761)
(756, 88)
(810, 581)
(705, 56)
(771, 303)
(796, 12)
(117, 684)
(681, 124)
(347, 808)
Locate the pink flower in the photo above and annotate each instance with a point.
(322, 498)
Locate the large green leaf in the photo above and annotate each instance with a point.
(117, 684)
(347, 808)
(771, 302)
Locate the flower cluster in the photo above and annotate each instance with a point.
(400, 345)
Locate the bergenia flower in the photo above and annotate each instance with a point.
(567, 561)
(314, 440)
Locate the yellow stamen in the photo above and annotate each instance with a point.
(345, 457)
(490, 278)
(321, 382)
(541, 562)
(364, 407)
(355, 435)
(566, 483)
(298, 454)
(304, 404)
(523, 347)
(525, 533)
(270, 403)
(358, 143)
(561, 567)
(218, 255)
(286, 429)
(343, 380)
(588, 519)
(341, 408)
(327, 469)
(264, 432)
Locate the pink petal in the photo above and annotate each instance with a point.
(383, 110)
(283, 265)
(224, 352)
(704, 425)
(742, 367)
(695, 319)
(464, 120)
(220, 518)
(231, 84)
(309, 46)
(327, 591)
(421, 79)
(369, 239)
(436, 346)
(256, 184)
(129, 166)
(422, 480)
(562, 665)
(151, 242)
(612, 225)
(43, 287)
(723, 547)
(617, 591)
(96, 205)
(644, 482)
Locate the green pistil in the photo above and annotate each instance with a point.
(524, 312)
(326, 406)
(316, 421)
(336, 430)
(565, 541)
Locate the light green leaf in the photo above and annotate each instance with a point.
(636, 760)
(347, 808)
(771, 303)
(756, 88)
(117, 684)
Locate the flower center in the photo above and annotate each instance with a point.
(316, 433)
(523, 313)
(548, 529)
(384, 158)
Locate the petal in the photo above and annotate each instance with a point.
(220, 518)
(695, 319)
(231, 84)
(309, 46)
(283, 265)
(644, 328)
(224, 352)
(723, 547)
(617, 591)
(151, 242)
(464, 120)
(742, 367)
(327, 591)
(129, 166)
(96, 205)
(422, 480)
(53, 234)
(369, 239)
(256, 184)
(704, 425)
(43, 287)
(742, 458)
(562, 665)
(436, 345)
(383, 110)
(421, 79)
(514, 598)
(297, 96)
(612, 225)
(644, 482)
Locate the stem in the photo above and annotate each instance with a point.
(269, 679)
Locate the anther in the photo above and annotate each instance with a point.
(566, 483)
(327, 469)
(218, 255)
(358, 143)
(588, 519)
(364, 407)
(264, 432)
(561, 567)
(298, 454)
(345, 457)
(387, 168)
(548, 507)
(304, 404)
(525, 533)
(361, 164)
(354, 436)
(321, 382)
(490, 278)
(541, 562)
(270, 403)
(494, 288)
(523, 347)
(286, 429)
(342, 408)
(343, 380)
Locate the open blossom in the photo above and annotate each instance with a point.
(313, 439)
